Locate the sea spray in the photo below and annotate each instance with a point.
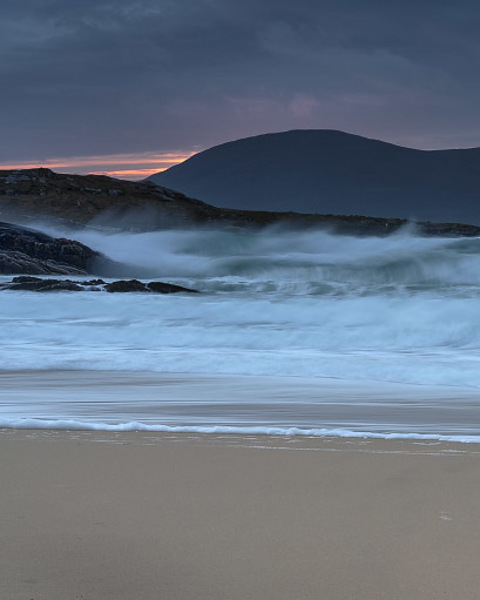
(300, 257)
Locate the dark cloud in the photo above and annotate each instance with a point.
(95, 77)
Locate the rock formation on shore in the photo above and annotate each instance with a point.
(24, 250)
(39, 284)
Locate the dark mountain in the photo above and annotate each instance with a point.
(28, 195)
(325, 171)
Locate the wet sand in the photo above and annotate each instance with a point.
(97, 516)
(265, 404)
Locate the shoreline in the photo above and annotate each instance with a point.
(222, 404)
(246, 440)
(71, 427)
(93, 515)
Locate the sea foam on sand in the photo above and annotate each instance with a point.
(176, 402)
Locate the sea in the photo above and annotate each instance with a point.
(293, 333)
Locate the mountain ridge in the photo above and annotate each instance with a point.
(328, 171)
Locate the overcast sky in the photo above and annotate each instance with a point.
(95, 85)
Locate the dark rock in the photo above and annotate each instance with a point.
(38, 284)
(47, 285)
(18, 262)
(132, 285)
(94, 282)
(159, 287)
(25, 279)
(168, 288)
(24, 250)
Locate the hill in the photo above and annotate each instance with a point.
(326, 171)
(27, 194)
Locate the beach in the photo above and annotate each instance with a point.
(97, 515)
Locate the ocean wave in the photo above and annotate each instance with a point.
(277, 256)
(401, 308)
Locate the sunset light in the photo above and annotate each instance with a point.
(122, 166)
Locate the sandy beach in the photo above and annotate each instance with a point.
(95, 515)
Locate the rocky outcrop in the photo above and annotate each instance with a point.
(38, 284)
(27, 194)
(24, 250)
(157, 287)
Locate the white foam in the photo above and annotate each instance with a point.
(412, 339)
(73, 425)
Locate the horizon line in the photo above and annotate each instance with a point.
(130, 166)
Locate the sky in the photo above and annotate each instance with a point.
(128, 88)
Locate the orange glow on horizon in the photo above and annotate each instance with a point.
(133, 174)
(122, 166)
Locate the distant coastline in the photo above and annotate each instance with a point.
(77, 200)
